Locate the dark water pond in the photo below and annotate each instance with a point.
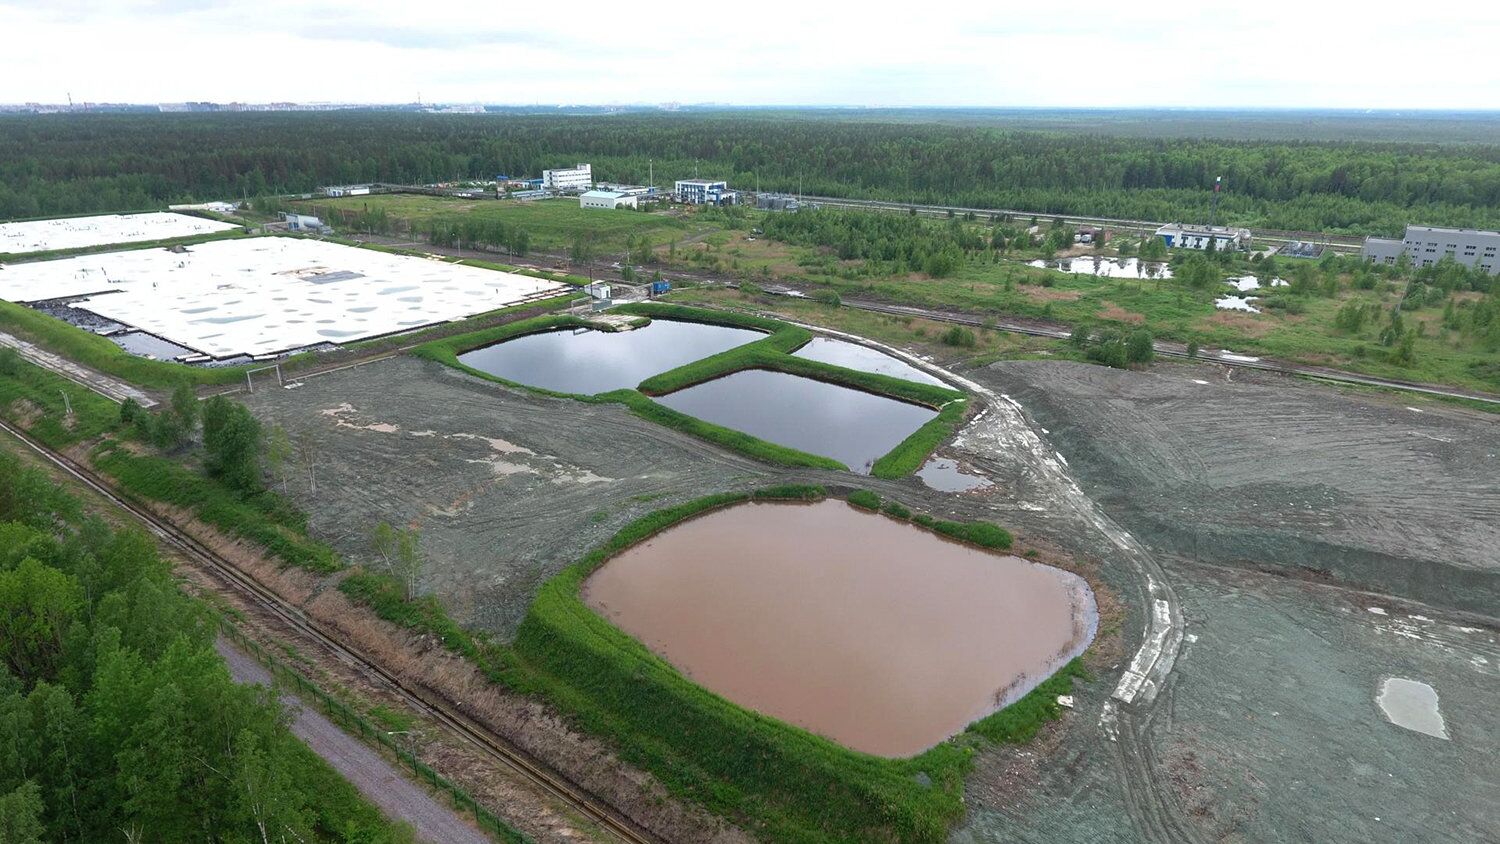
(588, 361)
(863, 358)
(851, 426)
(872, 632)
(149, 345)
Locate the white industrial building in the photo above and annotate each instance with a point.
(569, 179)
(705, 192)
(1426, 245)
(1183, 236)
(606, 199)
(346, 190)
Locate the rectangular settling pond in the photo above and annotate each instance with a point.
(872, 632)
(854, 356)
(588, 361)
(851, 426)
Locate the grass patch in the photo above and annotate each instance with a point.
(865, 499)
(909, 454)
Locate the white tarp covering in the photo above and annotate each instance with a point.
(269, 294)
(79, 232)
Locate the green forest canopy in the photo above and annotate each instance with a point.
(118, 721)
(68, 164)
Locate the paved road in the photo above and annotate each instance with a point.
(98, 382)
(376, 778)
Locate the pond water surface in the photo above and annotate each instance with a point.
(872, 632)
(1110, 267)
(149, 345)
(854, 356)
(1412, 704)
(587, 361)
(944, 475)
(851, 426)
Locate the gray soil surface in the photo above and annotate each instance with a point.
(376, 778)
(505, 487)
(1268, 471)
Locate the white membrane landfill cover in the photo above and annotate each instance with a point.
(263, 295)
(106, 229)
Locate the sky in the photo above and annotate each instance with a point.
(1083, 53)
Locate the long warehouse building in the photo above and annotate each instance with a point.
(1426, 245)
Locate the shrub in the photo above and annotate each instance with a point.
(896, 509)
(827, 296)
(865, 499)
(1138, 348)
(958, 336)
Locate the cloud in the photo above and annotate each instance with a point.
(948, 53)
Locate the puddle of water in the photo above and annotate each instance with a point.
(872, 632)
(1109, 267)
(591, 362)
(943, 475)
(1236, 303)
(863, 358)
(851, 426)
(148, 345)
(1412, 704)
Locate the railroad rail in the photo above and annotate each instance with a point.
(497, 747)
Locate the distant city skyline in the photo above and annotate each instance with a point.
(1274, 54)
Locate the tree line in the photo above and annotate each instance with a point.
(59, 164)
(118, 720)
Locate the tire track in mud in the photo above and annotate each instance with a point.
(1002, 426)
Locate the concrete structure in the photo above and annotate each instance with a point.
(705, 192)
(257, 296)
(610, 199)
(305, 223)
(102, 230)
(777, 202)
(215, 207)
(628, 190)
(1183, 236)
(1426, 245)
(529, 194)
(346, 190)
(569, 179)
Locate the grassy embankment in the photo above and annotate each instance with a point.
(103, 355)
(31, 398)
(775, 780)
(771, 352)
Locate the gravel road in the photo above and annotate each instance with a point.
(377, 779)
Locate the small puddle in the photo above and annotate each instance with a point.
(589, 362)
(865, 359)
(1109, 267)
(1412, 704)
(870, 631)
(149, 345)
(943, 475)
(851, 426)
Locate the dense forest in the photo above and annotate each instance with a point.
(118, 721)
(66, 164)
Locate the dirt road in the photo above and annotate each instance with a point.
(375, 777)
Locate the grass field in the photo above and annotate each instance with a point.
(552, 223)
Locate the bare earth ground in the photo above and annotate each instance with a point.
(508, 487)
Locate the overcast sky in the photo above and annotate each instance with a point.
(1308, 53)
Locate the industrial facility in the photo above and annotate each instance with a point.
(1185, 236)
(705, 192)
(576, 179)
(609, 199)
(1426, 245)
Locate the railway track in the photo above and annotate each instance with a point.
(497, 747)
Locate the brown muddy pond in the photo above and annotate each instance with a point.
(875, 633)
(851, 426)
